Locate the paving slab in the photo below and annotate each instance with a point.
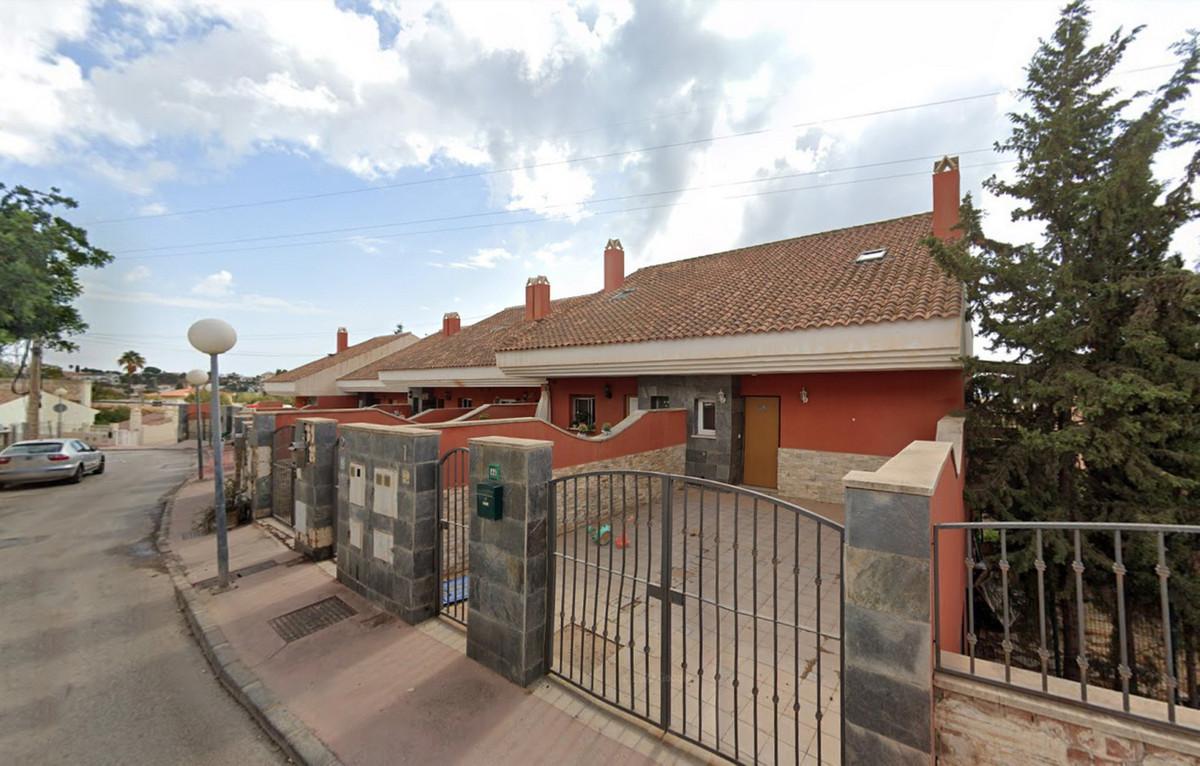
(374, 690)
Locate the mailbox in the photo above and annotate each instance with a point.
(489, 500)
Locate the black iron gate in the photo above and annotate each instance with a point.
(283, 475)
(706, 609)
(453, 530)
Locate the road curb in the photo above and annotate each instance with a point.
(288, 731)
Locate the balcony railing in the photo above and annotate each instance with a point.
(1085, 606)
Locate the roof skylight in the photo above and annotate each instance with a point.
(871, 255)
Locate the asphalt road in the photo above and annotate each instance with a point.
(96, 662)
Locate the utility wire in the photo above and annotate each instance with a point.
(577, 159)
(548, 163)
(510, 211)
(666, 205)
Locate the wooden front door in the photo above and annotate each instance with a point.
(760, 467)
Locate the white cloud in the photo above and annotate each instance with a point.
(554, 190)
(153, 208)
(379, 87)
(137, 274)
(486, 258)
(215, 285)
(220, 302)
(369, 245)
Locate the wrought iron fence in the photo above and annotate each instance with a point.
(706, 609)
(453, 530)
(1098, 605)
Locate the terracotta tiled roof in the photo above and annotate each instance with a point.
(794, 284)
(473, 346)
(323, 363)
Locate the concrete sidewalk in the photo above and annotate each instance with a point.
(376, 691)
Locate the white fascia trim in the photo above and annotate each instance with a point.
(454, 377)
(355, 386)
(913, 345)
(286, 389)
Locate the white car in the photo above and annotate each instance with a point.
(49, 460)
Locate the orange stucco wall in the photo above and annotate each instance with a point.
(483, 395)
(497, 411)
(866, 413)
(654, 430)
(289, 417)
(440, 416)
(608, 409)
(945, 506)
(330, 402)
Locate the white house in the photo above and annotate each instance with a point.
(77, 417)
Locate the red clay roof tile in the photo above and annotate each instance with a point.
(304, 370)
(794, 284)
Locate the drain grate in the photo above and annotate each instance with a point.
(261, 566)
(309, 619)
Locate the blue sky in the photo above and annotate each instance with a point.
(146, 112)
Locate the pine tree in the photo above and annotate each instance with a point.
(1096, 414)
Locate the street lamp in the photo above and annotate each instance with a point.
(214, 337)
(198, 378)
(60, 407)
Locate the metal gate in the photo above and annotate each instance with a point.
(453, 531)
(283, 475)
(706, 609)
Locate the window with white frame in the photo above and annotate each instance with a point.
(464, 402)
(583, 411)
(706, 417)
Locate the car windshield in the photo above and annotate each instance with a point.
(34, 448)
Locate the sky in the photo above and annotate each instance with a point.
(296, 166)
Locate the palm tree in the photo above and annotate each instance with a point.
(132, 361)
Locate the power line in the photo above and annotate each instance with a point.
(161, 348)
(548, 163)
(510, 211)
(578, 159)
(241, 336)
(666, 205)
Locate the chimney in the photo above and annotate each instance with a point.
(451, 324)
(614, 265)
(537, 298)
(945, 198)
(343, 339)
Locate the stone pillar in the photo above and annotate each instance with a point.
(506, 627)
(316, 487)
(261, 444)
(387, 516)
(887, 633)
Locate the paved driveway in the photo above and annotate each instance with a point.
(745, 652)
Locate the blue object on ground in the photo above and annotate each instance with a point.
(455, 590)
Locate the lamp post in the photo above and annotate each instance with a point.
(198, 378)
(214, 337)
(60, 407)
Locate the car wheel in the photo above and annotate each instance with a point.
(100, 470)
(78, 475)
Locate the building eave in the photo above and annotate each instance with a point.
(455, 377)
(911, 345)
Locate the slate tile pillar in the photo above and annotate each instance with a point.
(261, 444)
(506, 624)
(887, 632)
(316, 487)
(387, 516)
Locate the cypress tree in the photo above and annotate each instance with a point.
(1095, 413)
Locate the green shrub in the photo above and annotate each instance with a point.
(112, 415)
